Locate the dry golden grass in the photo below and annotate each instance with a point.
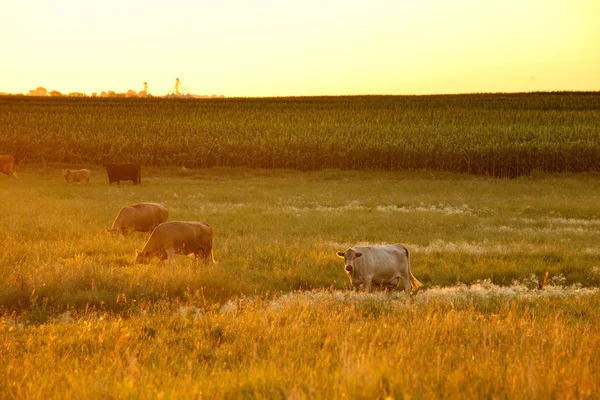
(314, 345)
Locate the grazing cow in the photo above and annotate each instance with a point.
(141, 217)
(382, 265)
(124, 172)
(179, 237)
(7, 165)
(80, 175)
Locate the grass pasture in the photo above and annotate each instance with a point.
(274, 318)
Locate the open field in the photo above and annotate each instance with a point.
(274, 317)
(503, 135)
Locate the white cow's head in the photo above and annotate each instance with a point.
(349, 256)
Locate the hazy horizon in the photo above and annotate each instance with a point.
(282, 49)
(215, 96)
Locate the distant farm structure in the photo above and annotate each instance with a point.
(178, 90)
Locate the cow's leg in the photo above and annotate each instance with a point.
(356, 284)
(171, 255)
(209, 258)
(196, 255)
(367, 284)
(206, 254)
(392, 283)
(201, 253)
(406, 282)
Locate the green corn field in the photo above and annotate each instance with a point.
(503, 135)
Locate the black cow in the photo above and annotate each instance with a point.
(124, 172)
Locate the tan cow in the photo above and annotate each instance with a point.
(80, 175)
(381, 265)
(141, 217)
(179, 237)
(7, 165)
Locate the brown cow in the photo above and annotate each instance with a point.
(179, 237)
(80, 175)
(7, 165)
(141, 217)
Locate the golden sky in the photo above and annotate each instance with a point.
(295, 48)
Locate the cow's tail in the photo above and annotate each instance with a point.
(414, 282)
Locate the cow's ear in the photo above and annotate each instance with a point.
(340, 254)
(358, 255)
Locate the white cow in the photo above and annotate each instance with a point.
(382, 265)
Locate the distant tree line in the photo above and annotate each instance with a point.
(43, 92)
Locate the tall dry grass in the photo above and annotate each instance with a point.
(316, 345)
